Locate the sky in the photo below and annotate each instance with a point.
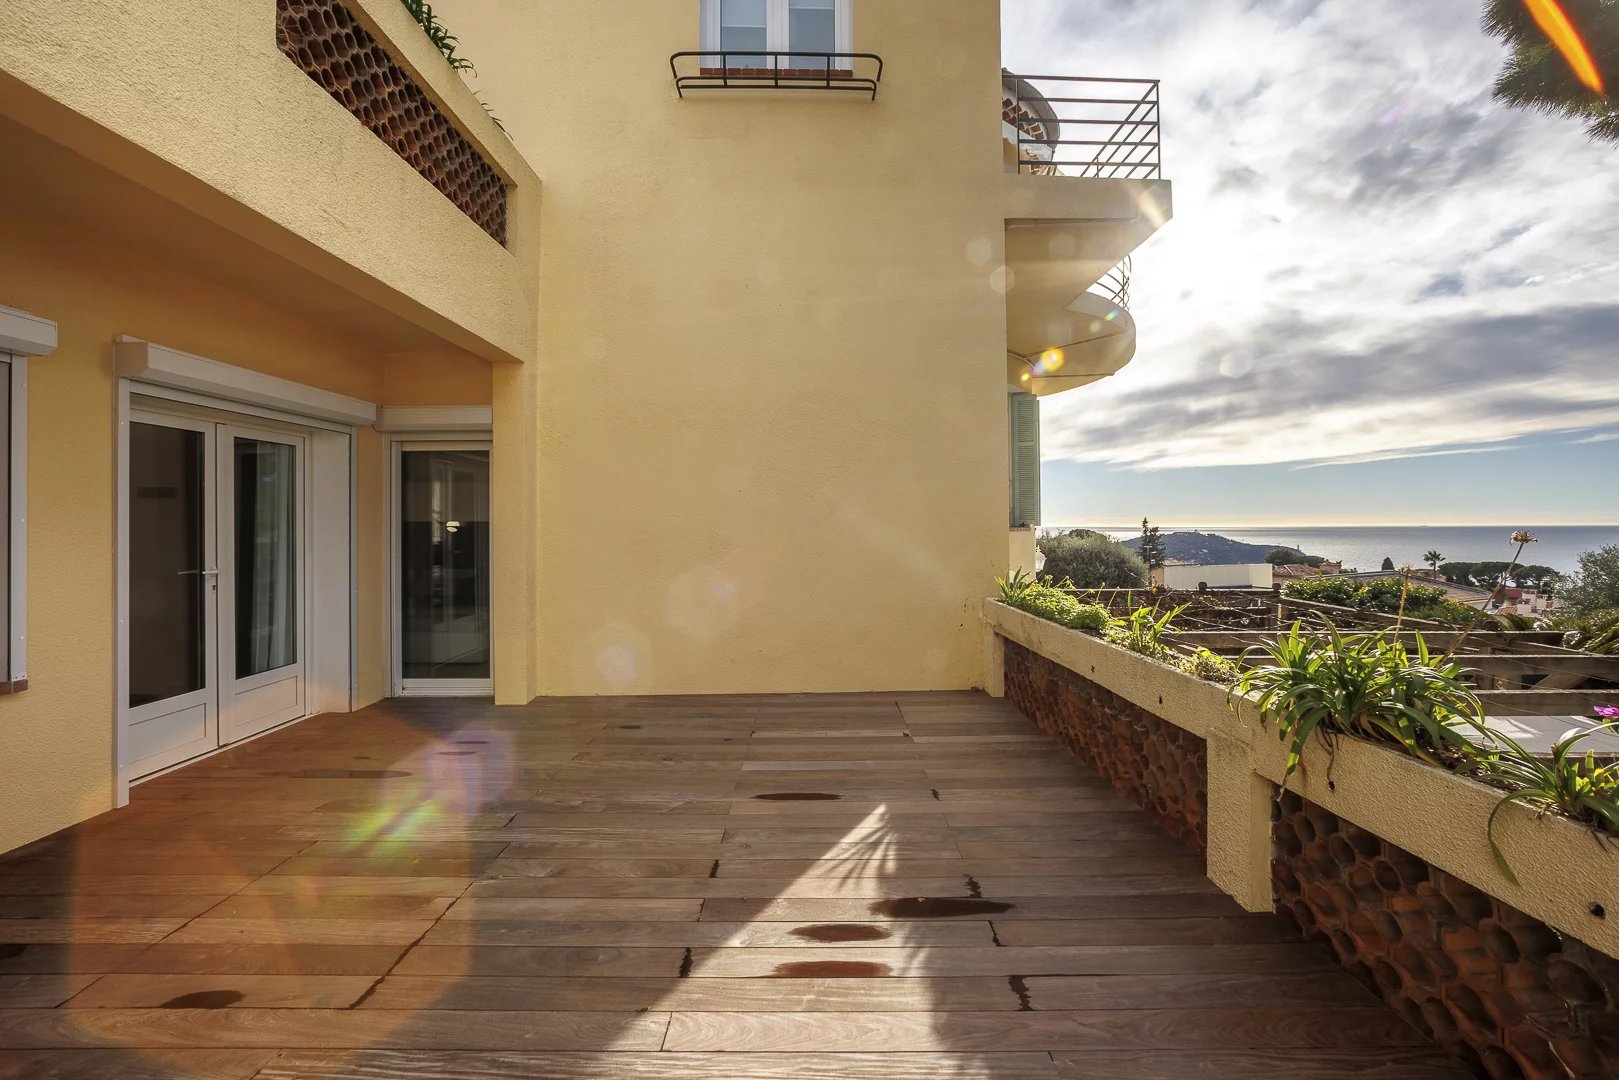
(1383, 298)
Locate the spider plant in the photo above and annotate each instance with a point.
(1565, 782)
(1368, 686)
(1013, 588)
(438, 33)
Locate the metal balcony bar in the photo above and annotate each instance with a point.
(1131, 146)
(738, 69)
(1114, 285)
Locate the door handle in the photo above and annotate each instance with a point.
(204, 573)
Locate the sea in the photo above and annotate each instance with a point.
(1364, 547)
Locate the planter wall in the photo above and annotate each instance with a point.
(1384, 860)
(1492, 985)
(1162, 767)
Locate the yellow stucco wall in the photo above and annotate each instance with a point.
(195, 101)
(771, 448)
(61, 730)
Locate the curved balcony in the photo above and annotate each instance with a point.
(1084, 189)
(1092, 336)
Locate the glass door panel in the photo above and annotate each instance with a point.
(172, 579)
(266, 556)
(261, 598)
(444, 569)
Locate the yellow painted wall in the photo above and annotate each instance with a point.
(196, 101)
(61, 730)
(772, 379)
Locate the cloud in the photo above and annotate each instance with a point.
(1611, 436)
(1370, 258)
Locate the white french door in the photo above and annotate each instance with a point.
(216, 553)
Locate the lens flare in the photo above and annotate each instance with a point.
(1559, 30)
(1051, 361)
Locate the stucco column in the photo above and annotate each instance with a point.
(514, 510)
(994, 662)
(1239, 824)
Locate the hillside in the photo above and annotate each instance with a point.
(1208, 549)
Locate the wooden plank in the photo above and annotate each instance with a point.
(300, 931)
(1048, 960)
(670, 993)
(1316, 1063)
(394, 1065)
(42, 991)
(1304, 1027)
(1230, 930)
(550, 909)
(1085, 907)
(682, 934)
(224, 991)
(261, 959)
(124, 1064)
(30, 1029)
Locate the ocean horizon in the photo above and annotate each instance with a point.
(1364, 547)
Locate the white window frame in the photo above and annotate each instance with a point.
(776, 22)
(22, 336)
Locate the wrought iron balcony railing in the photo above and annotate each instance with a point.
(1076, 125)
(1115, 285)
(737, 70)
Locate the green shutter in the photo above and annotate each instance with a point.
(1023, 428)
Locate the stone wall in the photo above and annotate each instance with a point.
(1492, 985)
(1155, 763)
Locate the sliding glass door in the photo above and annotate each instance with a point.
(442, 638)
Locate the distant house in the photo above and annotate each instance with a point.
(1184, 575)
(1295, 572)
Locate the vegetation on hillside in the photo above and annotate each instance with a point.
(1383, 595)
(1486, 575)
(1289, 557)
(1594, 587)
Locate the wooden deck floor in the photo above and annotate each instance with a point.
(858, 887)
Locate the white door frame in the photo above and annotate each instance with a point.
(329, 622)
(398, 685)
(206, 697)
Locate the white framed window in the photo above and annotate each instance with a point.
(21, 336)
(815, 27)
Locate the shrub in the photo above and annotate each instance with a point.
(1092, 562)
(1204, 664)
(1053, 603)
(1383, 595)
(1594, 587)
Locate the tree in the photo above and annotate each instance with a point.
(1152, 546)
(1092, 562)
(1388, 563)
(1549, 72)
(1594, 588)
(1433, 559)
(1289, 557)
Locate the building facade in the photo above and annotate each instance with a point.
(701, 374)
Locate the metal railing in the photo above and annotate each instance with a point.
(1114, 285)
(1112, 131)
(737, 69)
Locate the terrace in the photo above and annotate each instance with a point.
(893, 885)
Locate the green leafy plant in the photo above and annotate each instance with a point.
(446, 42)
(1369, 686)
(1209, 666)
(1383, 595)
(1142, 631)
(1578, 786)
(1092, 561)
(1052, 602)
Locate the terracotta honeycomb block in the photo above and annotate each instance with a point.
(1496, 987)
(323, 38)
(1146, 758)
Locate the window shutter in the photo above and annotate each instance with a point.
(1023, 427)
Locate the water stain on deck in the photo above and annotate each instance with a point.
(831, 969)
(204, 999)
(798, 796)
(937, 907)
(8, 951)
(833, 933)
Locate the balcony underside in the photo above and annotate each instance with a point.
(895, 885)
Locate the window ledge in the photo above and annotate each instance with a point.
(23, 334)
